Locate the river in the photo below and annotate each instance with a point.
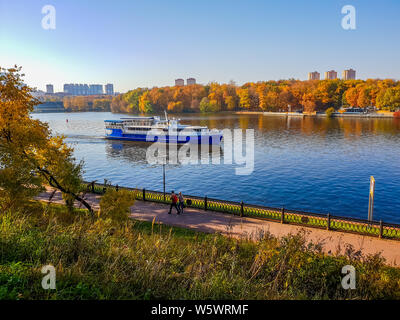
(312, 164)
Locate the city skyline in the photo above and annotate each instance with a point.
(273, 41)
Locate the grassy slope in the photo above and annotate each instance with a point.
(139, 260)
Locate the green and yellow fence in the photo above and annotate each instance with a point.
(280, 215)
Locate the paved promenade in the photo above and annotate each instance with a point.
(234, 226)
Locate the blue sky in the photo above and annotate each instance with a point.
(150, 43)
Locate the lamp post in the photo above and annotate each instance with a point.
(164, 179)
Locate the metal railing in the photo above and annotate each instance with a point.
(281, 215)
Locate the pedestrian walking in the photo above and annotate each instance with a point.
(174, 201)
(181, 202)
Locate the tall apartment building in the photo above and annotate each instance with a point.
(76, 89)
(191, 81)
(49, 89)
(109, 89)
(331, 75)
(349, 74)
(83, 89)
(314, 75)
(95, 89)
(179, 82)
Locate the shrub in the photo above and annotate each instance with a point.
(116, 204)
(329, 112)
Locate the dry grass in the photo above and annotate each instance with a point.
(102, 259)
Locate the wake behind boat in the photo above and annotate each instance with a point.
(153, 129)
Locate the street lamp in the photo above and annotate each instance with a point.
(164, 179)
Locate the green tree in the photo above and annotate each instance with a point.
(389, 99)
(208, 106)
(132, 98)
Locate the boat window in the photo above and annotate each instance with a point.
(139, 129)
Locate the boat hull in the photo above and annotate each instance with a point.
(212, 139)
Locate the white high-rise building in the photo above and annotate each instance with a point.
(49, 89)
(314, 75)
(331, 75)
(349, 74)
(109, 89)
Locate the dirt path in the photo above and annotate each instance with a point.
(226, 224)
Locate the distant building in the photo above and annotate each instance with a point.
(95, 89)
(179, 82)
(76, 89)
(349, 74)
(83, 89)
(49, 89)
(331, 75)
(190, 81)
(109, 89)
(314, 75)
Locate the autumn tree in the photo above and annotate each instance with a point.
(175, 107)
(266, 96)
(309, 102)
(29, 155)
(132, 99)
(244, 96)
(145, 105)
(230, 97)
(119, 104)
(352, 97)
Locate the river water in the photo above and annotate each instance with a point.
(312, 164)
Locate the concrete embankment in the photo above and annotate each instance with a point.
(333, 242)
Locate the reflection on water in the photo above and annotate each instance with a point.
(314, 164)
(135, 152)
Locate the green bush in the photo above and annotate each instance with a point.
(116, 204)
(96, 260)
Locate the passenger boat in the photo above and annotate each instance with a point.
(153, 129)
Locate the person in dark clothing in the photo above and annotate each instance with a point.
(174, 201)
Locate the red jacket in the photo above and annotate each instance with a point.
(174, 198)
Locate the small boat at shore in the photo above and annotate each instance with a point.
(153, 129)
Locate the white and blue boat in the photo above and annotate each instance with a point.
(153, 129)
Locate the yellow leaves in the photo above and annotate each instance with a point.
(244, 98)
(175, 106)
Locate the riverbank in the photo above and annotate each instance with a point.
(335, 114)
(332, 243)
